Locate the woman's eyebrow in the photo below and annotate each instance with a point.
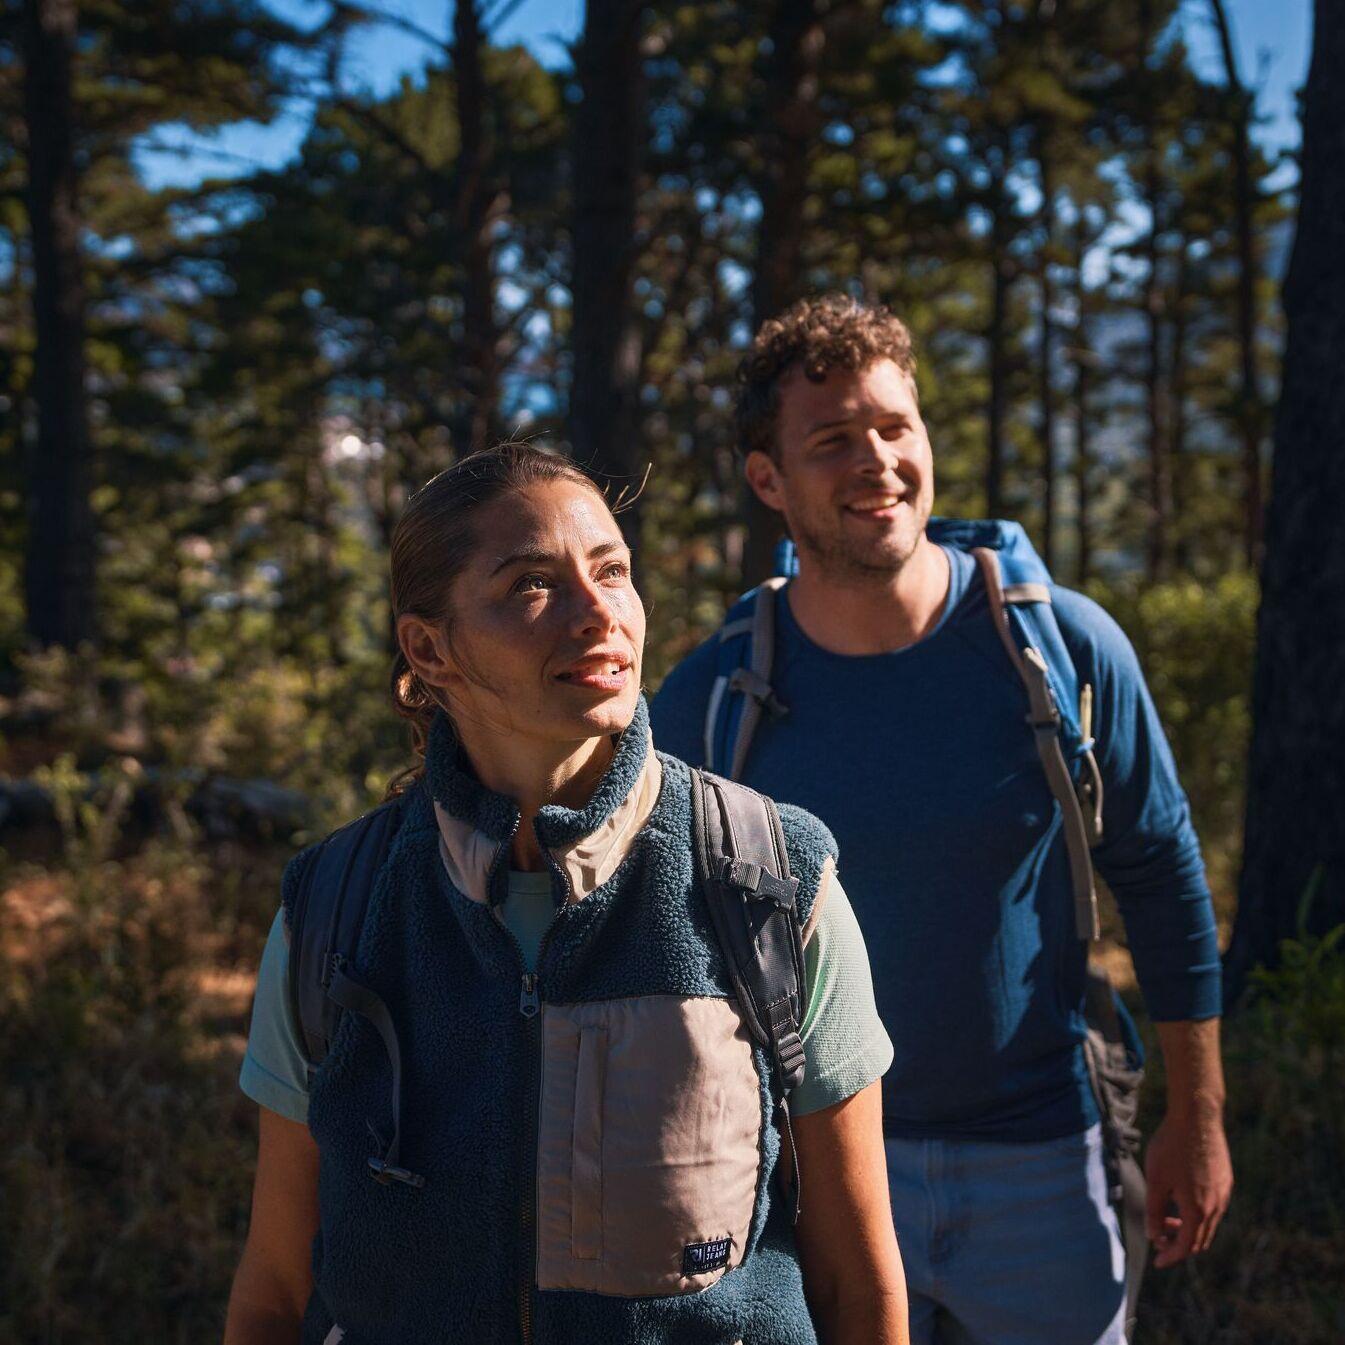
(536, 555)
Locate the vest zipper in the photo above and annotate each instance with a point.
(530, 1010)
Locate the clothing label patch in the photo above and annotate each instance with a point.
(698, 1257)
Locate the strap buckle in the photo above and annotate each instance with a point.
(757, 882)
(790, 1058)
(756, 687)
(385, 1172)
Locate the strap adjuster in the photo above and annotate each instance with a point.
(757, 688)
(757, 882)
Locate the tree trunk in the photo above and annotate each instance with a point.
(1083, 460)
(1250, 412)
(1045, 351)
(59, 559)
(1295, 843)
(1180, 467)
(605, 339)
(1160, 465)
(996, 358)
(789, 119)
(474, 211)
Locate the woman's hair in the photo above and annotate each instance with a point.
(431, 545)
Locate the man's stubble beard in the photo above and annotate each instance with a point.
(843, 563)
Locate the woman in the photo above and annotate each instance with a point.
(546, 846)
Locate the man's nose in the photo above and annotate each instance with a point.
(879, 453)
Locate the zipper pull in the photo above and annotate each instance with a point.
(529, 1002)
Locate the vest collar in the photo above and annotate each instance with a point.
(586, 844)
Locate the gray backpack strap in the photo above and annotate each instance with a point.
(1044, 717)
(743, 870)
(754, 681)
(744, 873)
(1116, 1078)
(326, 919)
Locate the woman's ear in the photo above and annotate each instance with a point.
(426, 648)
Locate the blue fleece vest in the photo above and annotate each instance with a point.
(456, 1260)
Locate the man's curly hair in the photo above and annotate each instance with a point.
(833, 331)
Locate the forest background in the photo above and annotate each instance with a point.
(253, 291)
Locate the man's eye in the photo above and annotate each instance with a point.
(829, 445)
(894, 431)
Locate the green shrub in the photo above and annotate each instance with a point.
(1276, 1272)
(1196, 644)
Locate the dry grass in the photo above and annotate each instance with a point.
(128, 1150)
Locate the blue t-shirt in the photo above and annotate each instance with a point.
(922, 764)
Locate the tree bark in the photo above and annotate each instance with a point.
(1160, 464)
(1045, 351)
(1180, 467)
(1083, 458)
(605, 340)
(1250, 410)
(1295, 843)
(474, 218)
(59, 558)
(996, 357)
(789, 119)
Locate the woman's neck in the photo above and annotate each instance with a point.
(535, 773)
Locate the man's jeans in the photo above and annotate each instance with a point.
(1008, 1244)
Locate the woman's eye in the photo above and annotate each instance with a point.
(531, 583)
(618, 569)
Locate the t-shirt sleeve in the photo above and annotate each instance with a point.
(1149, 853)
(677, 715)
(845, 1046)
(275, 1073)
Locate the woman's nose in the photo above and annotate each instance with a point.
(593, 610)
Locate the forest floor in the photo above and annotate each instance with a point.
(125, 989)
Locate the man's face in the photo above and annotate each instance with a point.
(853, 474)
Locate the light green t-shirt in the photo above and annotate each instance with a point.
(844, 1044)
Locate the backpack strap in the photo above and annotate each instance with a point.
(1051, 716)
(743, 869)
(326, 920)
(742, 689)
(1115, 1062)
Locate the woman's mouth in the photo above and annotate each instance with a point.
(602, 673)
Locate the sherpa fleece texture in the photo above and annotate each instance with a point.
(446, 1263)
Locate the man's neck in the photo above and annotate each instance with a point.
(849, 616)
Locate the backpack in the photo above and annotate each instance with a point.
(741, 866)
(1060, 713)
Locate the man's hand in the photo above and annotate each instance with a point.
(1187, 1165)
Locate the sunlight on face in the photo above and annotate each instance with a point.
(855, 477)
(547, 629)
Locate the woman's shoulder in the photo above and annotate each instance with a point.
(809, 845)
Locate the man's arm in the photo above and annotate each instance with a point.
(1150, 857)
(1187, 1165)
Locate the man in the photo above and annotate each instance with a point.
(905, 731)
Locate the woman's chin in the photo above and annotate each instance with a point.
(612, 714)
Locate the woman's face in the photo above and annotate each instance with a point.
(547, 631)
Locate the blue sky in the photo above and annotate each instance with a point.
(1272, 36)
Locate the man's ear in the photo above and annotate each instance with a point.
(763, 475)
(426, 648)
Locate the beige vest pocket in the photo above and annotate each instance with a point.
(648, 1145)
